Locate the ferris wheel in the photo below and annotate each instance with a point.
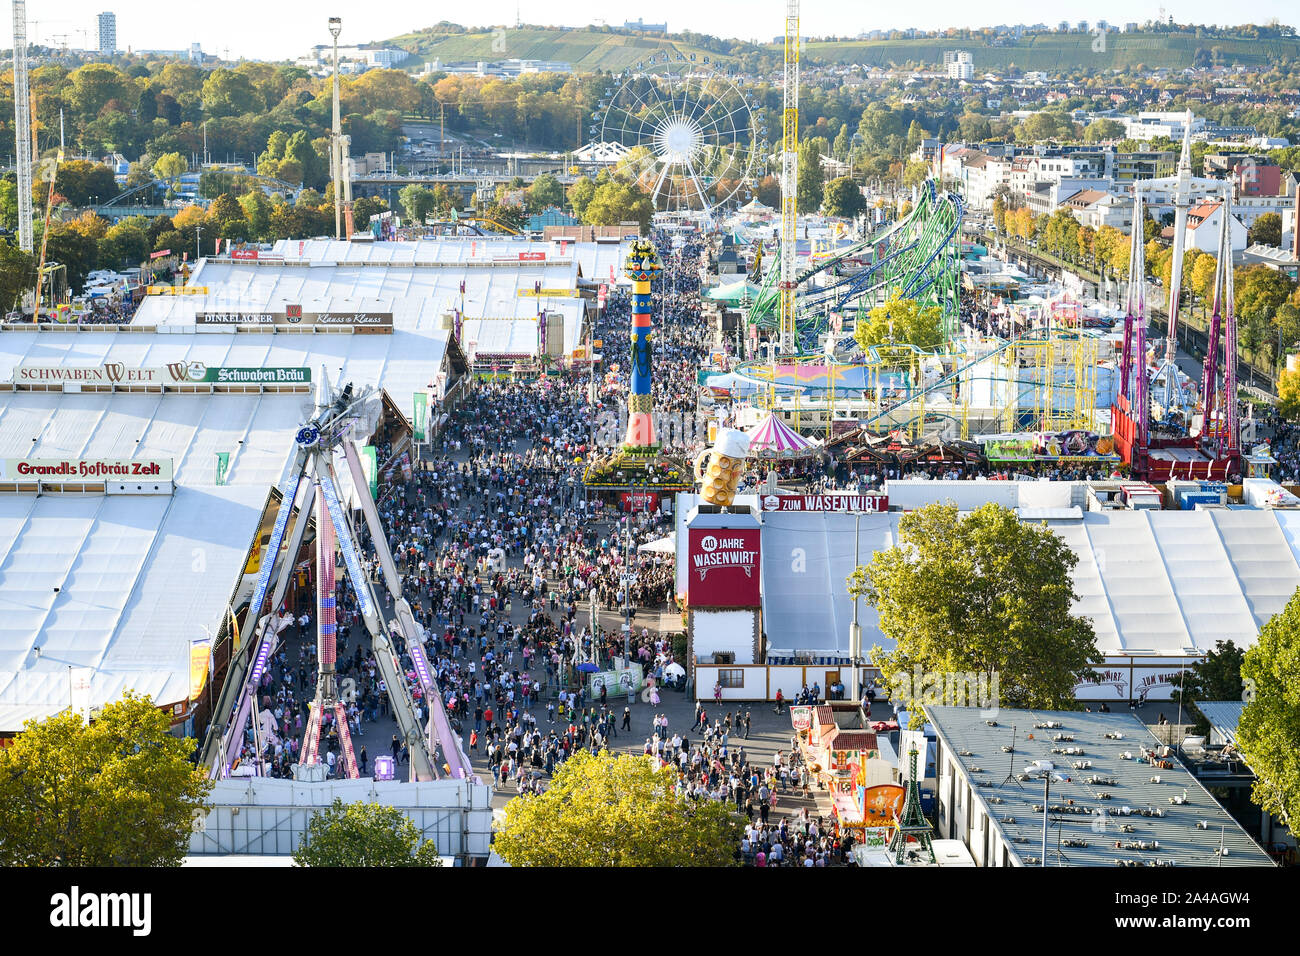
(688, 136)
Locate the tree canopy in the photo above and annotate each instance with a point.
(901, 322)
(616, 810)
(984, 594)
(1268, 734)
(363, 834)
(119, 792)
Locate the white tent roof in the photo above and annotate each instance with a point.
(417, 296)
(593, 259)
(1154, 583)
(402, 363)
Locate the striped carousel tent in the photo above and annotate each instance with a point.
(773, 438)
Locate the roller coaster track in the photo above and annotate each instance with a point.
(916, 257)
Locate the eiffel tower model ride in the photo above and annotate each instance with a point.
(911, 826)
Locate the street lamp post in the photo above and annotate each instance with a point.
(855, 632)
(336, 131)
(198, 244)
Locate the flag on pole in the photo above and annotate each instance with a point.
(421, 415)
(370, 467)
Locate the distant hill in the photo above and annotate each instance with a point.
(1053, 52)
(590, 49)
(586, 50)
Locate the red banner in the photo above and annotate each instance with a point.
(160, 253)
(639, 501)
(243, 253)
(723, 567)
(532, 257)
(818, 503)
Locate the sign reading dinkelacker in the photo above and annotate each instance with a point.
(723, 567)
(85, 469)
(815, 503)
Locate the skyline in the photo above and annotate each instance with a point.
(286, 30)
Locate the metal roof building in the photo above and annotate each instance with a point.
(419, 283)
(1117, 802)
(1161, 587)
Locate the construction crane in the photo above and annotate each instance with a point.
(22, 127)
(788, 283)
(45, 233)
(339, 414)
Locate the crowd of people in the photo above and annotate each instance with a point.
(504, 561)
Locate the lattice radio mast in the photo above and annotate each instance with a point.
(23, 157)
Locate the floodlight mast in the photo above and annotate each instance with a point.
(336, 135)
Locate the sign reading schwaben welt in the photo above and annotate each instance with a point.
(84, 469)
(174, 373)
(293, 317)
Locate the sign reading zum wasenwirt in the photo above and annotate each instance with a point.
(174, 373)
(293, 318)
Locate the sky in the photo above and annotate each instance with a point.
(285, 29)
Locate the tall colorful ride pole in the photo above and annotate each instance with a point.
(642, 267)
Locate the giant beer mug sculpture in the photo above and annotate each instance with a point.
(726, 463)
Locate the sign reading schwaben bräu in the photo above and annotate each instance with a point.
(174, 373)
(295, 319)
(84, 469)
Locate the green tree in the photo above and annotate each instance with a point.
(614, 202)
(1268, 734)
(363, 834)
(840, 147)
(257, 211)
(120, 792)
(80, 181)
(17, 275)
(917, 172)
(169, 165)
(901, 322)
(985, 593)
(230, 93)
(1267, 229)
(616, 810)
(1218, 677)
(8, 204)
(544, 191)
(842, 197)
(580, 195)
(811, 176)
(417, 201)
(1288, 395)
(1100, 130)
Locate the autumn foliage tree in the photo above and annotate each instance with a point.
(616, 810)
(986, 594)
(363, 834)
(119, 792)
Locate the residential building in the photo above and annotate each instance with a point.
(107, 33)
(1156, 164)
(959, 64)
(1149, 124)
(1096, 208)
(1116, 796)
(640, 27)
(1204, 221)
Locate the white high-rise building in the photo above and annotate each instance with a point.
(107, 34)
(959, 64)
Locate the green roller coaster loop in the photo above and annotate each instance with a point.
(917, 257)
